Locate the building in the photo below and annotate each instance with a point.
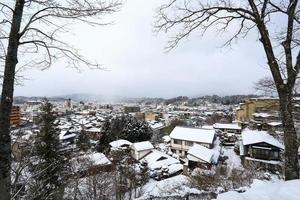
(141, 149)
(260, 148)
(131, 109)
(256, 105)
(228, 133)
(183, 138)
(15, 116)
(202, 157)
(228, 128)
(149, 116)
(162, 165)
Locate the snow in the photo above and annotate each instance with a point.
(176, 186)
(93, 130)
(278, 190)
(193, 134)
(201, 152)
(273, 162)
(157, 160)
(263, 115)
(64, 136)
(208, 127)
(141, 146)
(233, 161)
(85, 161)
(166, 138)
(274, 123)
(227, 126)
(119, 143)
(157, 125)
(175, 168)
(254, 136)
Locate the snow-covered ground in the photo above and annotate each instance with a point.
(176, 186)
(234, 160)
(262, 190)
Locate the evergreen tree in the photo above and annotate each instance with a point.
(83, 142)
(50, 165)
(124, 127)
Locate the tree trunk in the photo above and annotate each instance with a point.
(291, 166)
(6, 101)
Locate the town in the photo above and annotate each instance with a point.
(149, 100)
(172, 144)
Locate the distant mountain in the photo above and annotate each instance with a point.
(86, 97)
(23, 99)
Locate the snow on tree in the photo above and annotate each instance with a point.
(50, 165)
(124, 127)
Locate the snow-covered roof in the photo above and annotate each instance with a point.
(157, 160)
(64, 136)
(193, 134)
(157, 126)
(119, 143)
(263, 115)
(254, 136)
(201, 152)
(93, 130)
(141, 146)
(227, 126)
(83, 162)
(274, 123)
(208, 127)
(166, 138)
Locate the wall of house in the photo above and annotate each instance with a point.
(140, 154)
(182, 149)
(273, 153)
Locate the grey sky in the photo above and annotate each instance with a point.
(139, 67)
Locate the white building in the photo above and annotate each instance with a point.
(182, 139)
(141, 149)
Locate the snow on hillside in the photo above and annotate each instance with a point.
(176, 186)
(279, 190)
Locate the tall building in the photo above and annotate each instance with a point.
(15, 116)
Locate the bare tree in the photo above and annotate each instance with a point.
(32, 28)
(267, 86)
(278, 24)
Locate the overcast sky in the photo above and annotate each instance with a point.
(139, 67)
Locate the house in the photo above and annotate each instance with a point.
(93, 133)
(132, 109)
(228, 128)
(261, 148)
(120, 144)
(67, 137)
(183, 138)
(89, 164)
(156, 126)
(162, 165)
(228, 133)
(200, 156)
(141, 149)
(261, 119)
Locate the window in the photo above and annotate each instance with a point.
(178, 142)
(261, 153)
(188, 143)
